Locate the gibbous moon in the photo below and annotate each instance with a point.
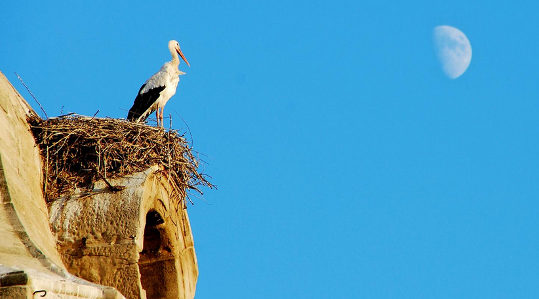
(453, 49)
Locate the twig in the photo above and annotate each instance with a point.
(20, 79)
(112, 188)
(188, 129)
(46, 172)
(64, 115)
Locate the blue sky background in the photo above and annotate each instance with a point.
(348, 165)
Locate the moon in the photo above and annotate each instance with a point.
(453, 50)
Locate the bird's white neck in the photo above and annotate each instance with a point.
(175, 58)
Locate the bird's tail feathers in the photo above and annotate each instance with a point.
(137, 117)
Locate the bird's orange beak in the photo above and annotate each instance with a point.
(183, 57)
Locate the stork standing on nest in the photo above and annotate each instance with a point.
(156, 91)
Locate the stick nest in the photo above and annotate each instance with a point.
(77, 151)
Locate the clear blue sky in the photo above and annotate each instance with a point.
(348, 165)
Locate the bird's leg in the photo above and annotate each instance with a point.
(159, 118)
(162, 116)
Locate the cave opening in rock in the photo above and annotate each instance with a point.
(158, 274)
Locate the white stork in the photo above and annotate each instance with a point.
(156, 91)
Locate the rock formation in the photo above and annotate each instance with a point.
(113, 238)
(132, 243)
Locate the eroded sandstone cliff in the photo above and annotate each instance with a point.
(98, 243)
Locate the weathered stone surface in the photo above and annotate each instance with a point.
(29, 260)
(137, 240)
(20, 183)
(15, 292)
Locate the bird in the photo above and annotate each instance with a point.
(156, 91)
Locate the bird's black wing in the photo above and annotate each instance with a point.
(143, 102)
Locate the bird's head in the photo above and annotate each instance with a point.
(175, 46)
